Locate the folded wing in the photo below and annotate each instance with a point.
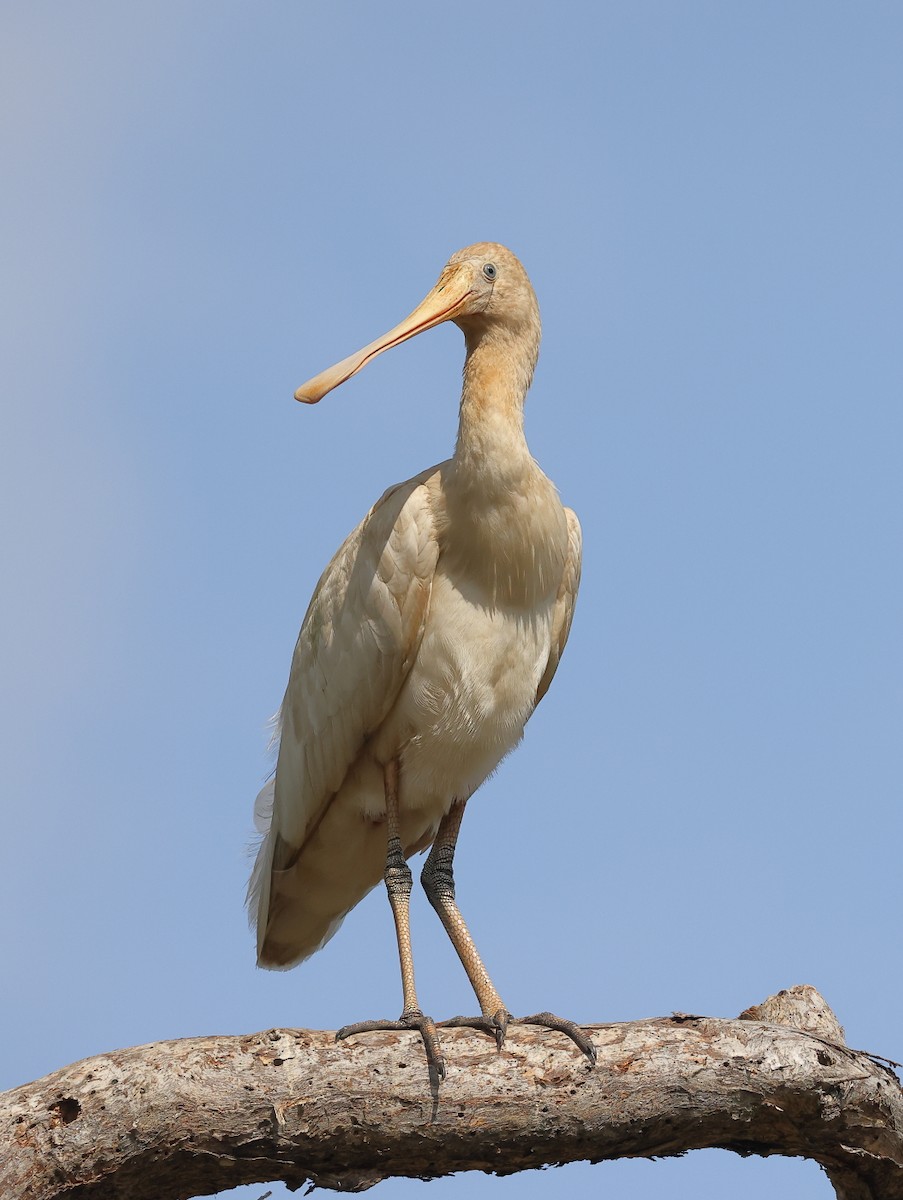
(357, 643)
(564, 604)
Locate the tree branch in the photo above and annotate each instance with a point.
(175, 1119)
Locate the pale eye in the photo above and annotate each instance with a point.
(490, 272)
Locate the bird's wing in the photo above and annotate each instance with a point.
(564, 605)
(358, 640)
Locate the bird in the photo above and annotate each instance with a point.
(430, 639)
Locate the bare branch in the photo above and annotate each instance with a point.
(175, 1119)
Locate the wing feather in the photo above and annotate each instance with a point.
(564, 605)
(357, 643)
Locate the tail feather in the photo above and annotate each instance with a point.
(298, 909)
(298, 898)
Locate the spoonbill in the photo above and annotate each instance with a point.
(430, 638)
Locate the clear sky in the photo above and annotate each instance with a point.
(203, 204)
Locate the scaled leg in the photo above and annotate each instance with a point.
(397, 876)
(439, 884)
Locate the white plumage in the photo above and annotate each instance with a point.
(430, 637)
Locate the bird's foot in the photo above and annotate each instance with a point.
(497, 1024)
(412, 1019)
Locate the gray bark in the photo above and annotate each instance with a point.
(176, 1119)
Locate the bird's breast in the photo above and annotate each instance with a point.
(504, 536)
(469, 693)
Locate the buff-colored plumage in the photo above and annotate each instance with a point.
(431, 636)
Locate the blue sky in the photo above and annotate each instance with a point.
(205, 204)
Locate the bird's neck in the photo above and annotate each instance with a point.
(491, 446)
(506, 530)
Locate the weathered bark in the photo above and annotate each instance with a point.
(175, 1119)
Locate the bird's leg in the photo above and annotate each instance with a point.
(398, 885)
(439, 884)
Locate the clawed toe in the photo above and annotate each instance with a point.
(414, 1019)
(549, 1021)
(495, 1024)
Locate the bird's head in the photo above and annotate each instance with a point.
(481, 286)
(504, 293)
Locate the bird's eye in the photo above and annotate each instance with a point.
(489, 271)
